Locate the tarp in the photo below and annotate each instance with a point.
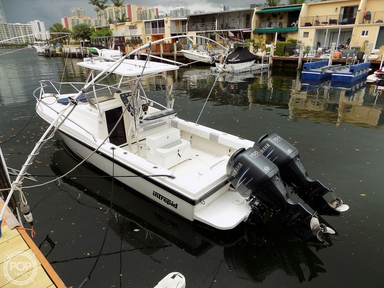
(240, 55)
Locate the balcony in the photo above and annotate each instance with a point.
(321, 21)
(178, 29)
(233, 25)
(151, 31)
(133, 32)
(118, 33)
(368, 18)
(202, 26)
(271, 24)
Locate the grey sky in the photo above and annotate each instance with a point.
(51, 11)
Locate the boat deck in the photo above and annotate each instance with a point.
(21, 262)
(198, 164)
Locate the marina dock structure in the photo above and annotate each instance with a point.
(21, 262)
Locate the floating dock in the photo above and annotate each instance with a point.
(316, 72)
(348, 76)
(21, 262)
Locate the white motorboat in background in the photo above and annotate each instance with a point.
(201, 56)
(378, 74)
(105, 53)
(197, 172)
(41, 47)
(238, 60)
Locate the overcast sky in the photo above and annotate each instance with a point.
(51, 11)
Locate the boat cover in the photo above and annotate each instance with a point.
(240, 55)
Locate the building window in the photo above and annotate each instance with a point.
(364, 33)
(305, 34)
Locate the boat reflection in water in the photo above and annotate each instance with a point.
(251, 251)
(360, 104)
(337, 104)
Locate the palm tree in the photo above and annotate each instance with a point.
(101, 4)
(118, 4)
(292, 2)
(272, 3)
(96, 9)
(59, 33)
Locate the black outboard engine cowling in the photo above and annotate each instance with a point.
(293, 173)
(249, 170)
(257, 179)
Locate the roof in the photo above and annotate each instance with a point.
(274, 30)
(280, 9)
(129, 67)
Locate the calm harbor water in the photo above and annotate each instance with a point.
(339, 134)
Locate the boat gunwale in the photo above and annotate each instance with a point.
(169, 189)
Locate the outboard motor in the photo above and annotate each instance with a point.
(258, 179)
(293, 173)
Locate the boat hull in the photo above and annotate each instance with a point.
(234, 67)
(132, 178)
(222, 208)
(198, 56)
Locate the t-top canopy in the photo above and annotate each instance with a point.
(128, 67)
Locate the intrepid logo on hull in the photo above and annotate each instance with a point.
(165, 199)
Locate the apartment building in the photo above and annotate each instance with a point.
(277, 23)
(156, 29)
(147, 13)
(222, 24)
(355, 22)
(69, 22)
(77, 12)
(23, 33)
(319, 24)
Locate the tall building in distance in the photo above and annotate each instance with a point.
(147, 13)
(116, 14)
(132, 12)
(179, 12)
(16, 33)
(69, 22)
(2, 14)
(77, 12)
(38, 30)
(19, 33)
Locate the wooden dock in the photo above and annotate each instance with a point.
(21, 262)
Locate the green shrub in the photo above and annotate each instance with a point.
(280, 48)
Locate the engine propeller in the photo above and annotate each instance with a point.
(319, 229)
(338, 205)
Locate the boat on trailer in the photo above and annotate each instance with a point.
(197, 172)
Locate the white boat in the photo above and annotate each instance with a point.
(105, 53)
(378, 74)
(201, 56)
(41, 47)
(238, 60)
(197, 172)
